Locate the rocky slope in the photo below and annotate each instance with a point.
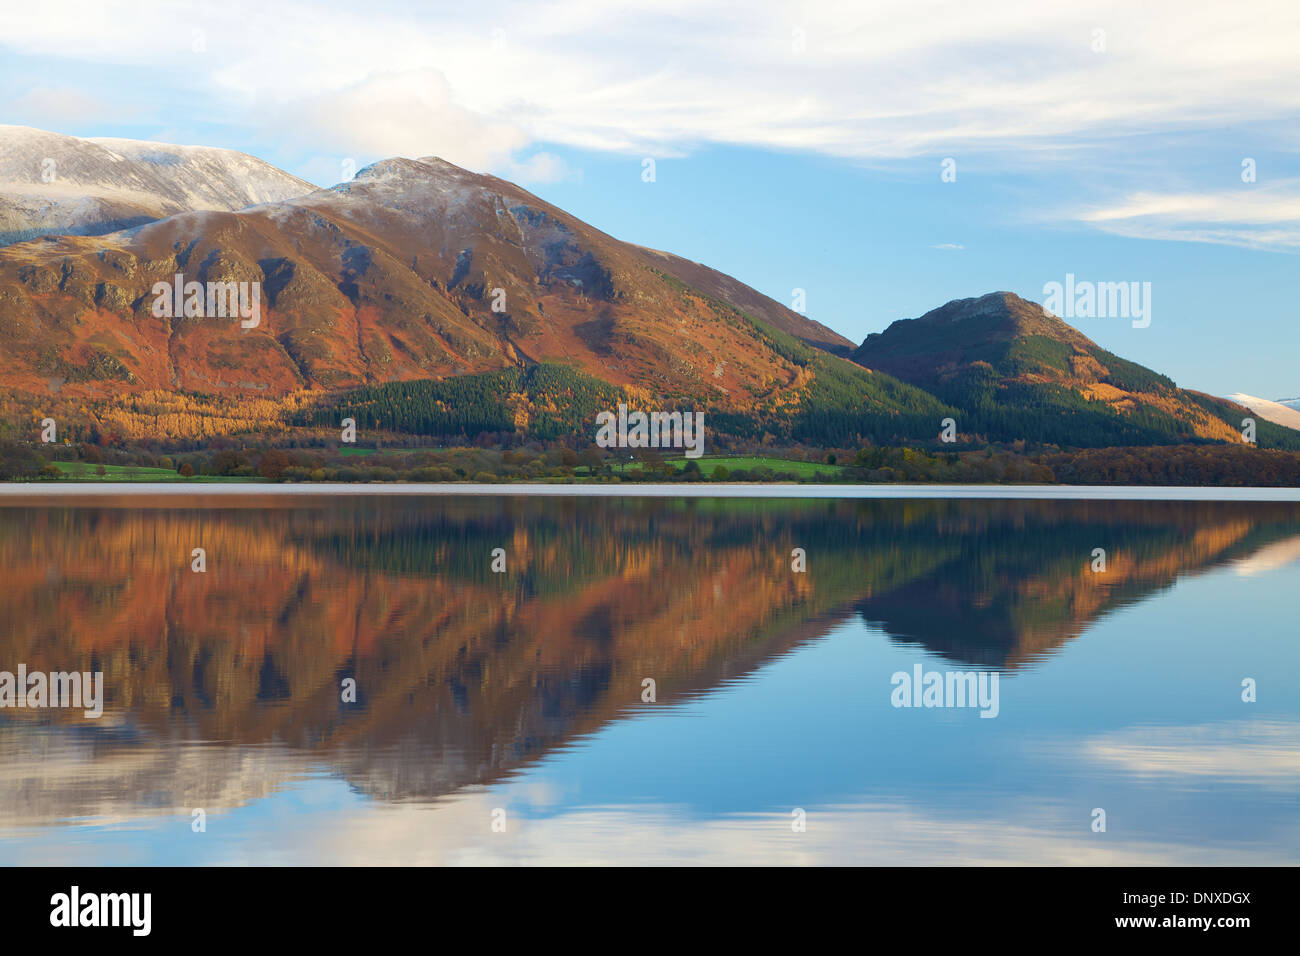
(415, 269)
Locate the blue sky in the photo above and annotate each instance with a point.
(796, 145)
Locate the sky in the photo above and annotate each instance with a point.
(881, 157)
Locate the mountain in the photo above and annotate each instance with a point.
(418, 269)
(424, 298)
(55, 184)
(1019, 372)
(1277, 412)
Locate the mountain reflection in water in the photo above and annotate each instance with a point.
(223, 689)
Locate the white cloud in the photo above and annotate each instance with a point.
(56, 106)
(541, 167)
(891, 79)
(399, 114)
(1252, 216)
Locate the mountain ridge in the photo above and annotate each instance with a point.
(1279, 413)
(52, 184)
(413, 270)
(417, 270)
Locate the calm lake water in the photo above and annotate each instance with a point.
(501, 717)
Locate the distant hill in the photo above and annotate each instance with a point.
(1017, 371)
(1277, 412)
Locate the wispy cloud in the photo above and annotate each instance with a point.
(893, 79)
(1252, 216)
(410, 114)
(59, 105)
(541, 167)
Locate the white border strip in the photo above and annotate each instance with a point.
(43, 491)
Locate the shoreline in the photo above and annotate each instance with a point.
(18, 491)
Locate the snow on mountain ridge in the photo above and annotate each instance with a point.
(51, 183)
(1275, 412)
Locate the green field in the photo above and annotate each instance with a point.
(85, 471)
(800, 469)
(352, 451)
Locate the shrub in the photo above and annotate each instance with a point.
(230, 462)
(272, 464)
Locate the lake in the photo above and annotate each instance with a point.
(474, 679)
